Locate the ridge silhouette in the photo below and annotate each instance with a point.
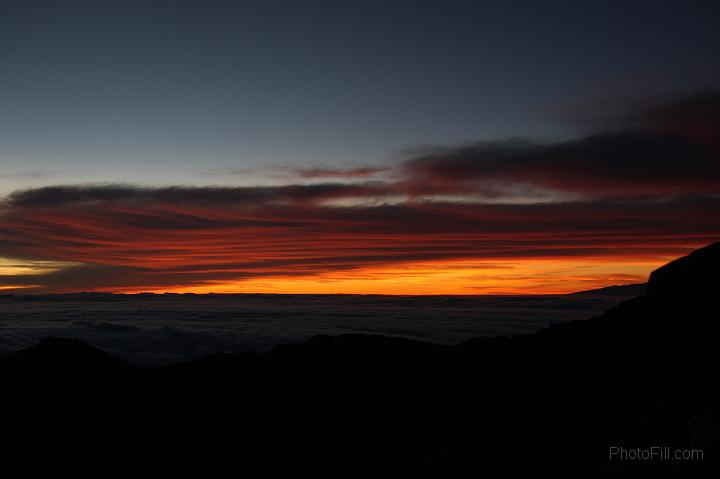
(53, 354)
(643, 374)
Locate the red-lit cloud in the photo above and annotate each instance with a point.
(648, 190)
(360, 172)
(126, 237)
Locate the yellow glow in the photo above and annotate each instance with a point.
(6, 288)
(15, 267)
(555, 276)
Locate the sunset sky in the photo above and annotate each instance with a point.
(399, 147)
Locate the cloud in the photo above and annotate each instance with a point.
(208, 196)
(649, 186)
(361, 172)
(292, 173)
(28, 175)
(695, 116)
(126, 237)
(666, 149)
(164, 329)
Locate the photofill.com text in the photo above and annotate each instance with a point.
(654, 453)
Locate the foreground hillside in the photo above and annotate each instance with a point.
(374, 406)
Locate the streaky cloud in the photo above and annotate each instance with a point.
(648, 187)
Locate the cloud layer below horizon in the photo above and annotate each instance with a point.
(638, 191)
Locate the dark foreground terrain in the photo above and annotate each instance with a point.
(374, 406)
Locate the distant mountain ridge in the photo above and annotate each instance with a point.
(619, 290)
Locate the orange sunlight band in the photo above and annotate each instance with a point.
(451, 277)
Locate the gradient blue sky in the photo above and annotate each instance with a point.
(168, 92)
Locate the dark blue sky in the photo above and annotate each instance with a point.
(158, 92)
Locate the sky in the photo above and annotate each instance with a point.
(403, 147)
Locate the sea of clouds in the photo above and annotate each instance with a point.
(156, 330)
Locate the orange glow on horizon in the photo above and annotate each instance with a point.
(157, 245)
(545, 276)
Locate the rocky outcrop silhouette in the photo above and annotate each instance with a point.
(642, 375)
(695, 276)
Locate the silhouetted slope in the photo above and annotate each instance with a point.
(696, 276)
(373, 406)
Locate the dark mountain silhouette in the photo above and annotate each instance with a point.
(65, 355)
(642, 375)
